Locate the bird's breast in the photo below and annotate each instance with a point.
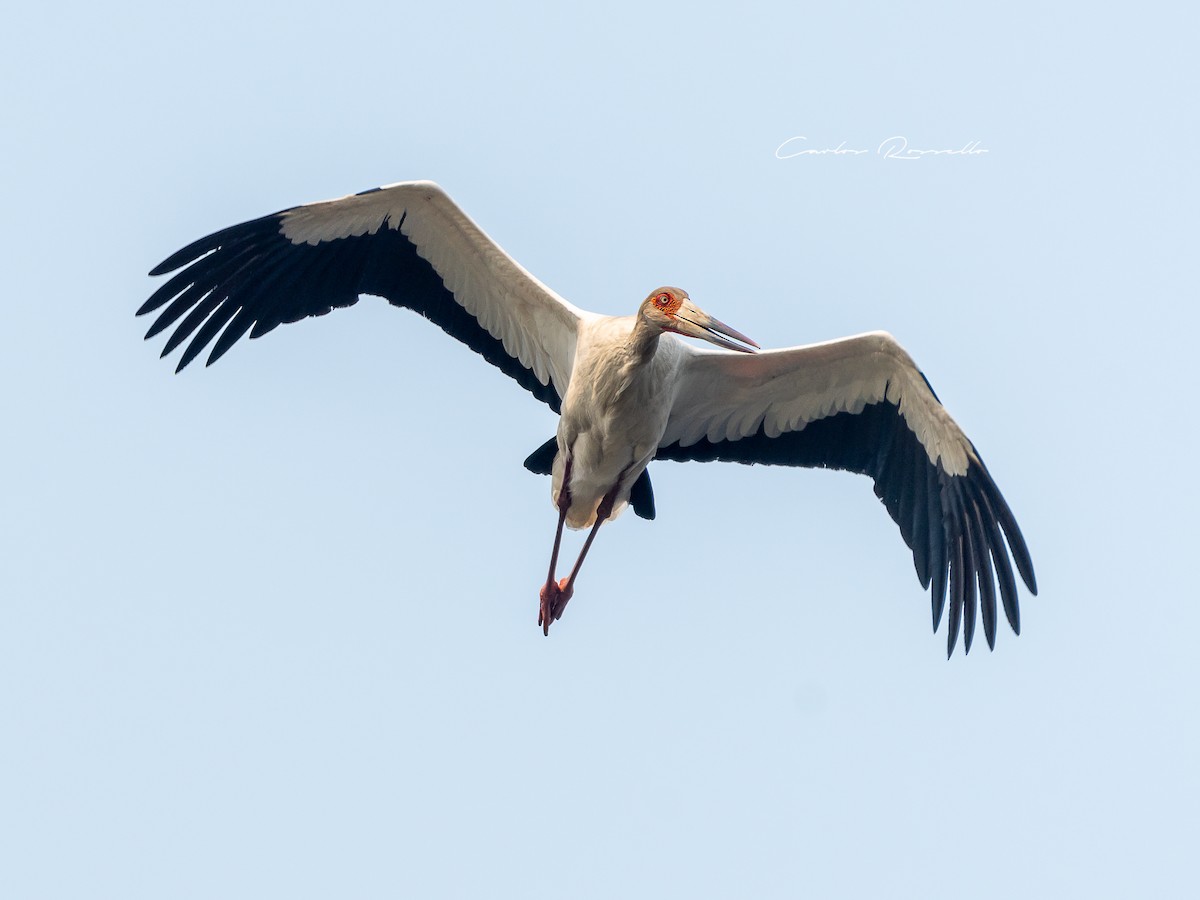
(613, 417)
(618, 397)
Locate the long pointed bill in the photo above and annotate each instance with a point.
(692, 321)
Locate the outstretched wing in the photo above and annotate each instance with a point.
(407, 242)
(861, 404)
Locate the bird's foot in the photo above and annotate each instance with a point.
(548, 595)
(565, 591)
(554, 599)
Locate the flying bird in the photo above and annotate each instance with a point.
(627, 390)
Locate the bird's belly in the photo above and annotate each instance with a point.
(607, 451)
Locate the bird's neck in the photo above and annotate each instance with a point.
(643, 341)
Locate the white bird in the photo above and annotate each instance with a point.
(628, 391)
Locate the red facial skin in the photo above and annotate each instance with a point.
(668, 303)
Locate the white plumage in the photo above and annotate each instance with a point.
(628, 391)
(725, 397)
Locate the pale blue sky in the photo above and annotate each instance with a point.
(268, 629)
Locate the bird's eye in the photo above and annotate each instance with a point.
(662, 300)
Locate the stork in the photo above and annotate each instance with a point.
(628, 391)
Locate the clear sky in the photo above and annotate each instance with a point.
(268, 629)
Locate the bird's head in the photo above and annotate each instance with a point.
(670, 309)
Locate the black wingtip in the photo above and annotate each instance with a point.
(178, 260)
(956, 595)
(211, 242)
(938, 598)
(1012, 532)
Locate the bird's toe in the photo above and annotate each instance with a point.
(548, 597)
(564, 591)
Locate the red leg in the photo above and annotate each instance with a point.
(550, 590)
(566, 587)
